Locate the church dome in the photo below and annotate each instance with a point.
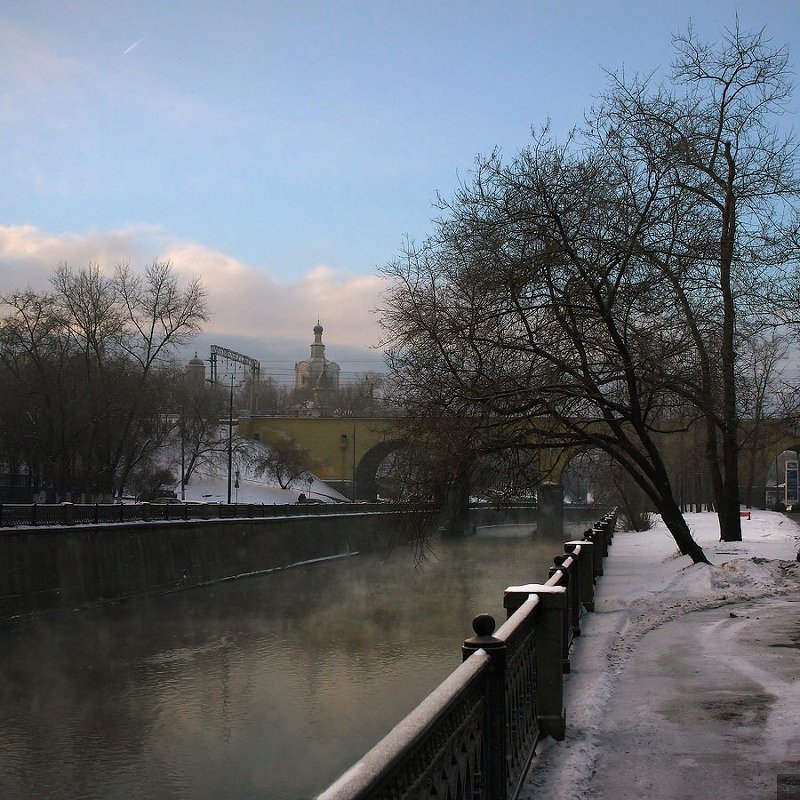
(318, 329)
(195, 370)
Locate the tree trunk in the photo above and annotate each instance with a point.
(675, 522)
(659, 489)
(455, 508)
(730, 525)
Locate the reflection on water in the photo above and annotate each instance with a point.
(262, 688)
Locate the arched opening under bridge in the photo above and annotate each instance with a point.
(379, 471)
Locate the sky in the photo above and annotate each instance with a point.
(284, 151)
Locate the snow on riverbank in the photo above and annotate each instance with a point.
(647, 584)
(214, 489)
(209, 482)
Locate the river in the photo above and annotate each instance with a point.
(266, 687)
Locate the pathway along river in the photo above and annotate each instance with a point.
(266, 687)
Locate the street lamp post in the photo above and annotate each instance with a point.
(230, 440)
(343, 443)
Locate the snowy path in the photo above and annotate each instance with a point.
(686, 681)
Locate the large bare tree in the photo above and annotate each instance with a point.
(588, 293)
(90, 357)
(711, 138)
(532, 314)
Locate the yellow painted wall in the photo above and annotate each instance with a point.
(329, 439)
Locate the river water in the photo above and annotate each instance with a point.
(266, 687)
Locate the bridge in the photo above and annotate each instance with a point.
(349, 451)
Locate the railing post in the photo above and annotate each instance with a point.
(549, 646)
(585, 570)
(597, 551)
(495, 720)
(563, 581)
(573, 588)
(610, 522)
(599, 531)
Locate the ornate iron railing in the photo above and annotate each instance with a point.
(475, 735)
(522, 724)
(100, 513)
(437, 751)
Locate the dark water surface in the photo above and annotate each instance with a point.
(267, 687)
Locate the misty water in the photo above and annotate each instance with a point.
(266, 687)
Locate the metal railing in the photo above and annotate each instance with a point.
(99, 513)
(475, 735)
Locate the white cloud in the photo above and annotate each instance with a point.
(246, 302)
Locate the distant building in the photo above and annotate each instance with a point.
(316, 379)
(196, 371)
(316, 372)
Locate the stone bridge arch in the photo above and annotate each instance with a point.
(776, 483)
(340, 445)
(759, 457)
(366, 483)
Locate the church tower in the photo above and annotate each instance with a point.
(316, 373)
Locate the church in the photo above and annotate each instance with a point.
(316, 379)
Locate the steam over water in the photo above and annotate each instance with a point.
(264, 688)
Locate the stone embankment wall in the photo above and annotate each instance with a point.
(49, 568)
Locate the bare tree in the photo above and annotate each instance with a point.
(710, 140)
(593, 293)
(91, 357)
(285, 461)
(531, 315)
(363, 397)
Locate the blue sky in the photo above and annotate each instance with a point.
(282, 150)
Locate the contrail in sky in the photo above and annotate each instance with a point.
(135, 44)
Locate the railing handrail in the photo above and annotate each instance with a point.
(377, 764)
(70, 514)
(510, 626)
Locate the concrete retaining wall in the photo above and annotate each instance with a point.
(44, 569)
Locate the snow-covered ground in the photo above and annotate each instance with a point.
(209, 482)
(210, 488)
(685, 682)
